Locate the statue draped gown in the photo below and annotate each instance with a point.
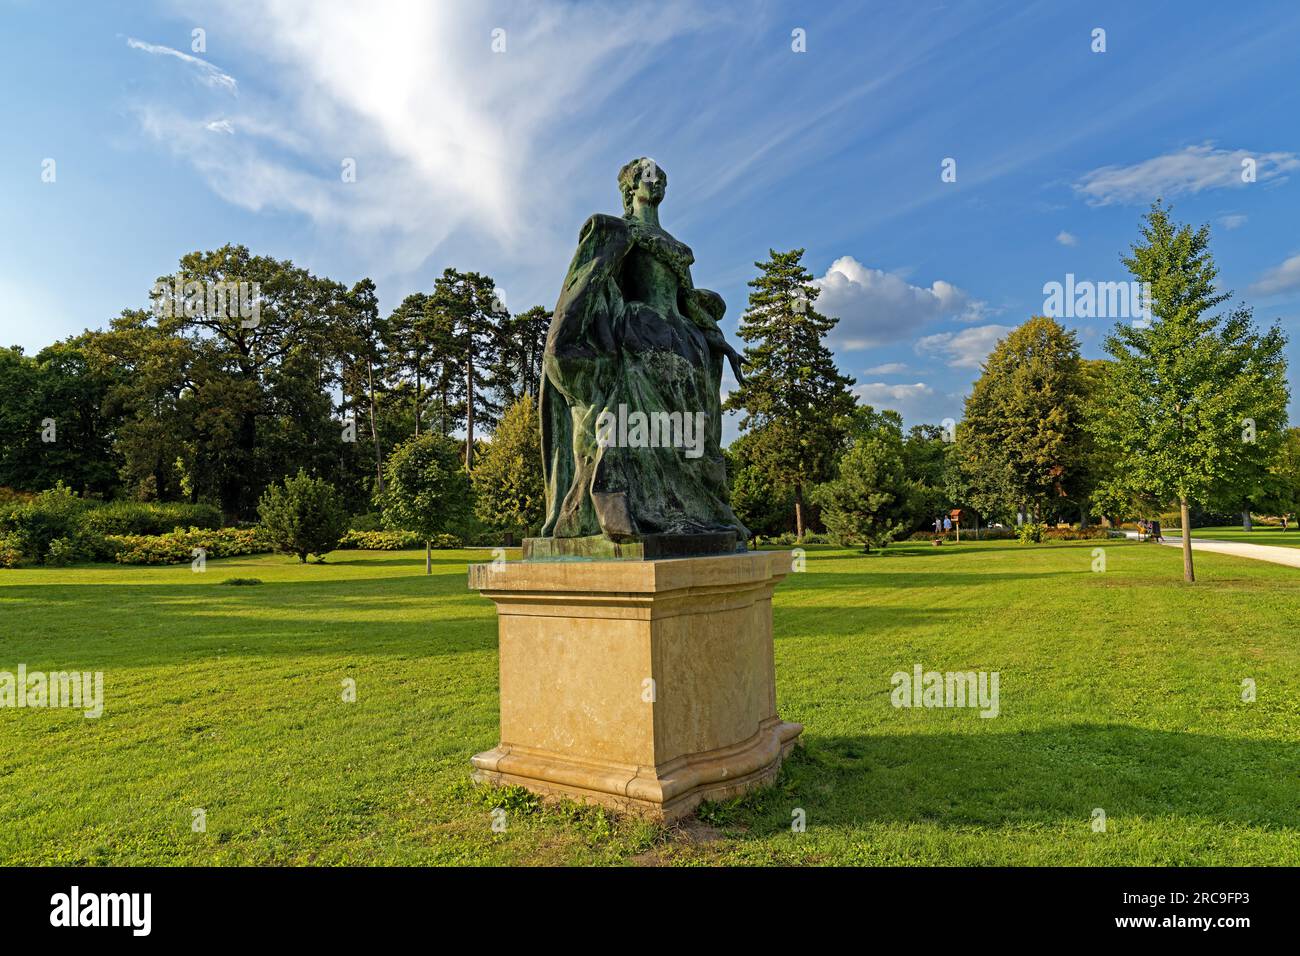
(630, 329)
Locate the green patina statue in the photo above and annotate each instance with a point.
(631, 416)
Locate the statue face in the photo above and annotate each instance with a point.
(651, 184)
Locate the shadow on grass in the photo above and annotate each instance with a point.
(1040, 777)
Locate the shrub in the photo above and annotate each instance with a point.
(178, 547)
(1030, 532)
(242, 582)
(379, 540)
(303, 516)
(153, 517)
(32, 526)
(1075, 534)
(11, 555)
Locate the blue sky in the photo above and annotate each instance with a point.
(490, 161)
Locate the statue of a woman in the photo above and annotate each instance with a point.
(630, 409)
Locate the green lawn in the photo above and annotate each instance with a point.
(1119, 690)
(1263, 534)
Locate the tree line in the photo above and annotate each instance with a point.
(1187, 411)
(191, 403)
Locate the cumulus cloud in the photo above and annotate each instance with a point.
(875, 307)
(1067, 238)
(208, 73)
(965, 349)
(1284, 277)
(883, 395)
(1189, 170)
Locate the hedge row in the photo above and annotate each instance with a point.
(178, 547)
(393, 541)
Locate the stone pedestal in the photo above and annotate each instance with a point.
(646, 686)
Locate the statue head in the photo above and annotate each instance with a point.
(642, 179)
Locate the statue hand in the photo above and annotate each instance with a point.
(733, 357)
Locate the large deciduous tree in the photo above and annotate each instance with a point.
(1196, 399)
(1021, 439)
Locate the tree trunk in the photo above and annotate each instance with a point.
(469, 413)
(374, 431)
(1189, 574)
(1245, 518)
(417, 394)
(798, 512)
(1083, 518)
(428, 558)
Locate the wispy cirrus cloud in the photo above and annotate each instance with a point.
(209, 74)
(450, 126)
(1190, 170)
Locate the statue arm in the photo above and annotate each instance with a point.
(706, 308)
(585, 313)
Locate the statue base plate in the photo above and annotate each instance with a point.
(644, 686)
(648, 547)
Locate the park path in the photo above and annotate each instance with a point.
(1260, 552)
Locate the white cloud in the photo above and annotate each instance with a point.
(965, 349)
(889, 368)
(220, 126)
(208, 73)
(1284, 277)
(1189, 170)
(447, 135)
(1232, 221)
(1067, 238)
(875, 307)
(898, 397)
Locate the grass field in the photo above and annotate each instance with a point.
(1119, 690)
(1263, 534)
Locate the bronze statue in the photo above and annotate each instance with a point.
(630, 408)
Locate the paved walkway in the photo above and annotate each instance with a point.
(1260, 552)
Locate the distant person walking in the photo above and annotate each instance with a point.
(1155, 532)
(938, 525)
(1284, 523)
(947, 523)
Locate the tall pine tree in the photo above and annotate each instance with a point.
(795, 400)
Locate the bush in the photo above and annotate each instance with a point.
(394, 541)
(178, 547)
(54, 515)
(303, 516)
(154, 517)
(968, 534)
(1075, 534)
(379, 540)
(11, 555)
(1030, 533)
